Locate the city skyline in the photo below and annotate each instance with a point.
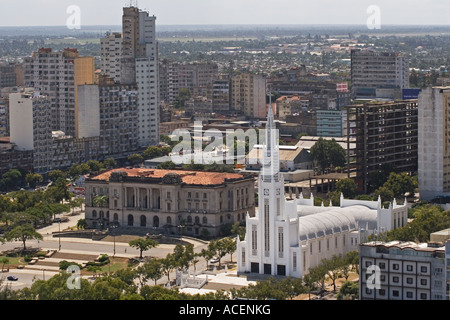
(199, 12)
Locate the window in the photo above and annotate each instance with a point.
(294, 261)
(395, 266)
(409, 294)
(395, 293)
(423, 296)
(368, 264)
(423, 282)
(382, 265)
(409, 267)
(409, 280)
(395, 279)
(382, 292)
(423, 269)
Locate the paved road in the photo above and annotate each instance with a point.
(83, 246)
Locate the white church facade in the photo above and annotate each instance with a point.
(288, 237)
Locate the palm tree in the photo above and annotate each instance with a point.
(100, 200)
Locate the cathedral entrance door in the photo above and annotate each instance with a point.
(281, 270)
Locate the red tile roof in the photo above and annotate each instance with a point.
(188, 177)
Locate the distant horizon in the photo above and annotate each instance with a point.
(37, 13)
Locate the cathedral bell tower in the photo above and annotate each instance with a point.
(270, 195)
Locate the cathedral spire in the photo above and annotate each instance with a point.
(271, 161)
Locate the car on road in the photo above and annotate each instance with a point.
(12, 278)
(214, 260)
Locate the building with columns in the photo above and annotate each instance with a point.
(166, 200)
(288, 237)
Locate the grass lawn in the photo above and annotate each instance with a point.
(116, 264)
(13, 262)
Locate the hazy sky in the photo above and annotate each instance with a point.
(169, 12)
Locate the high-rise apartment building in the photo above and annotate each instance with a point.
(118, 119)
(111, 54)
(378, 74)
(57, 75)
(249, 95)
(30, 122)
(386, 138)
(433, 143)
(139, 65)
(7, 75)
(174, 76)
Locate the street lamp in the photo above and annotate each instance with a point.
(113, 226)
(59, 235)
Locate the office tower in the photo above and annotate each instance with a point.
(386, 136)
(57, 75)
(30, 126)
(111, 54)
(433, 143)
(378, 74)
(249, 95)
(331, 123)
(139, 66)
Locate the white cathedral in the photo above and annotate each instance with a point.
(288, 237)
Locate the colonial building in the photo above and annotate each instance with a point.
(168, 201)
(290, 237)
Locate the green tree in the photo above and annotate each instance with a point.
(151, 270)
(348, 187)
(56, 174)
(100, 200)
(238, 230)
(23, 233)
(168, 165)
(427, 219)
(168, 264)
(327, 153)
(207, 254)
(143, 245)
(81, 224)
(183, 95)
(348, 291)
(110, 163)
(4, 261)
(94, 165)
(11, 179)
(33, 179)
(135, 159)
(384, 193)
(183, 255)
(58, 192)
(400, 183)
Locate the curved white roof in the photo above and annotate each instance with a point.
(317, 222)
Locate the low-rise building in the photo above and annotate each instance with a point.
(402, 271)
(169, 201)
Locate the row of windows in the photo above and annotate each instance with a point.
(396, 294)
(396, 266)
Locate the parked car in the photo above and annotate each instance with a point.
(56, 220)
(12, 278)
(214, 260)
